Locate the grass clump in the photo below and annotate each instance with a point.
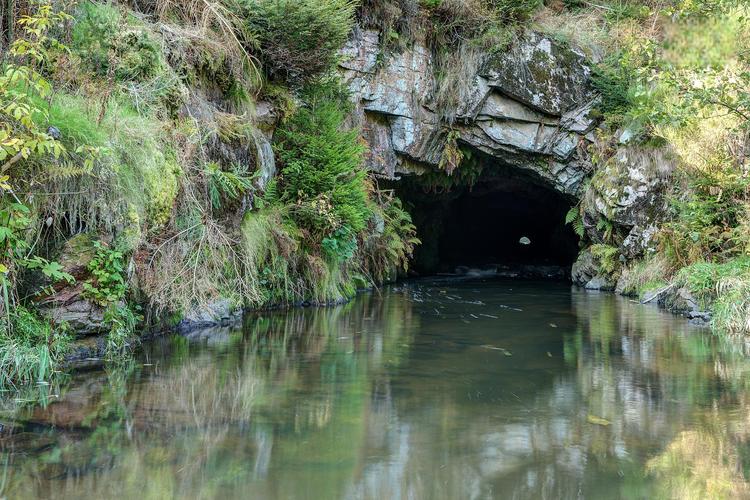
(133, 182)
(646, 275)
(30, 350)
(299, 39)
(724, 289)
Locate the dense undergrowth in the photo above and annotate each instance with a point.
(674, 87)
(134, 126)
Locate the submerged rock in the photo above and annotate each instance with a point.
(219, 313)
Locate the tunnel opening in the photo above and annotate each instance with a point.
(489, 217)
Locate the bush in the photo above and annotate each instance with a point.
(107, 44)
(299, 39)
(710, 221)
(321, 171)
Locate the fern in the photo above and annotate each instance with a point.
(575, 218)
(607, 227)
(607, 256)
(226, 185)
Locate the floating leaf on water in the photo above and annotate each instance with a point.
(553, 325)
(549, 354)
(597, 420)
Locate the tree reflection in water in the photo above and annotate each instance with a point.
(445, 390)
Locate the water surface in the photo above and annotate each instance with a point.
(425, 390)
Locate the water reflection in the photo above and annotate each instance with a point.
(428, 390)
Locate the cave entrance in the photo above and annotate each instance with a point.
(503, 218)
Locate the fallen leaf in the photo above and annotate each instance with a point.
(597, 420)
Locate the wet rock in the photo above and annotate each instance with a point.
(586, 273)
(221, 312)
(599, 283)
(584, 268)
(54, 132)
(682, 301)
(80, 314)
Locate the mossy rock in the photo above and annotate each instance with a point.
(76, 254)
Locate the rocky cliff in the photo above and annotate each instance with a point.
(529, 107)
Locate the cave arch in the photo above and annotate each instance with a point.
(479, 222)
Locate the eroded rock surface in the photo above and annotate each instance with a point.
(629, 192)
(528, 108)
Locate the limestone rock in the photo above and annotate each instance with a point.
(221, 312)
(80, 314)
(528, 108)
(682, 301)
(541, 74)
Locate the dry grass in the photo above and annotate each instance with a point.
(646, 275)
(593, 29)
(212, 28)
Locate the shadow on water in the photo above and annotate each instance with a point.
(430, 389)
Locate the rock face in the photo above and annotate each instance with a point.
(586, 273)
(68, 304)
(219, 313)
(527, 108)
(629, 191)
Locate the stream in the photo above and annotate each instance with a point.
(428, 389)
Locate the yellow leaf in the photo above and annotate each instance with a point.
(597, 420)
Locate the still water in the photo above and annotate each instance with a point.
(426, 390)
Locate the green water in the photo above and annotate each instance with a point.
(426, 390)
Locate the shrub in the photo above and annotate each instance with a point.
(710, 220)
(322, 177)
(299, 39)
(108, 44)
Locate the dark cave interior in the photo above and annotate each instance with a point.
(482, 224)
